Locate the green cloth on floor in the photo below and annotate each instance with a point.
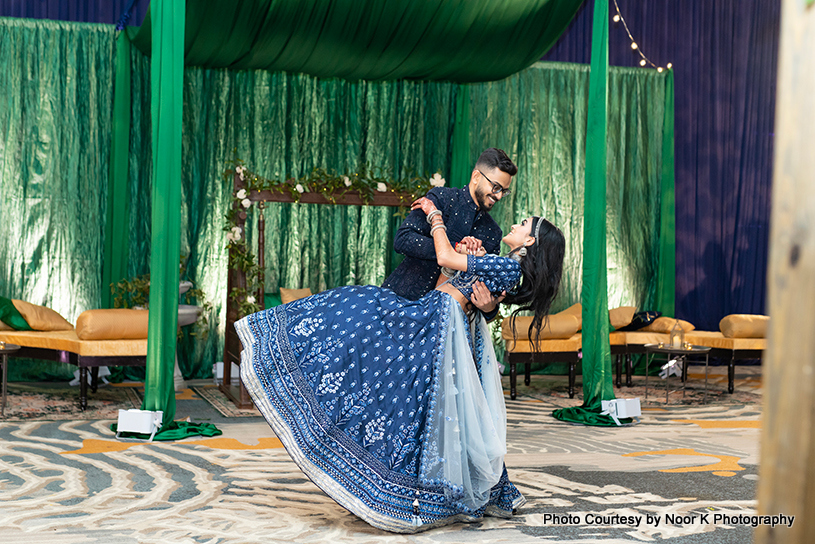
(176, 430)
(587, 416)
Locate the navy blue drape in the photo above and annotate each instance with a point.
(724, 54)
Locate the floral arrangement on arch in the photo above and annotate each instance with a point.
(366, 184)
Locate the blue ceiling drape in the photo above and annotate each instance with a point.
(724, 55)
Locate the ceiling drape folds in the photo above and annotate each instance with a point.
(440, 40)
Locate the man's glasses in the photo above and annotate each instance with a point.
(497, 189)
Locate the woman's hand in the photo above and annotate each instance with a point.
(471, 246)
(424, 204)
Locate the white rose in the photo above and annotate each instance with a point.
(241, 194)
(250, 299)
(246, 202)
(437, 180)
(299, 188)
(346, 181)
(236, 230)
(231, 236)
(381, 187)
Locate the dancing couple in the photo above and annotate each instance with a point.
(392, 406)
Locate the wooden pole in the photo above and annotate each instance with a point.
(787, 473)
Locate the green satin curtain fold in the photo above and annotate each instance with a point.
(474, 40)
(55, 123)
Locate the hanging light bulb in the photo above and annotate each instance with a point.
(642, 62)
(633, 45)
(617, 18)
(670, 66)
(659, 69)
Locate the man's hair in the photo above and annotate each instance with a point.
(496, 158)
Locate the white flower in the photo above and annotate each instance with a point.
(246, 202)
(231, 236)
(237, 231)
(346, 181)
(241, 194)
(250, 299)
(240, 170)
(381, 187)
(437, 180)
(299, 188)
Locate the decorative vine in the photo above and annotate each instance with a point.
(365, 184)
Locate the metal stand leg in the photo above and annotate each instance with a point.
(513, 376)
(648, 358)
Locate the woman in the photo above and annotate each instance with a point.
(393, 407)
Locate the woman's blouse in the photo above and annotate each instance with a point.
(498, 274)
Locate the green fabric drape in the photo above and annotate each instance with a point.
(55, 123)
(666, 279)
(597, 377)
(167, 73)
(461, 164)
(118, 220)
(287, 124)
(539, 117)
(477, 40)
(283, 124)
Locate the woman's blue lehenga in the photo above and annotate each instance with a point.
(393, 407)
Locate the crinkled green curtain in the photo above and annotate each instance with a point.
(55, 124)
(282, 124)
(55, 119)
(539, 117)
(285, 125)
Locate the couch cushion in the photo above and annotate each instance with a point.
(557, 326)
(666, 324)
(744, 326)
(622, 316)
(113, 324)
(40, 318)
(289, 295)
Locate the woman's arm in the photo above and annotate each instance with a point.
(445, 254)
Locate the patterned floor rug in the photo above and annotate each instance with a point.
(57, 401)
(220, 402)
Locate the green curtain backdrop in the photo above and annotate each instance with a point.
(283, 124)
(55, 124)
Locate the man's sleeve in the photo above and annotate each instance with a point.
(412, 238)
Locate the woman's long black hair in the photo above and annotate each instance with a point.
(541, 270)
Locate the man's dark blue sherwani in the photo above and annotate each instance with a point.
(417, 274)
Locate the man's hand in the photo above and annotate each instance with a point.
(483, 299)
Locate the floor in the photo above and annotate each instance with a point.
(684, 474)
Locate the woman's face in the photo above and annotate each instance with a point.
(519, 234)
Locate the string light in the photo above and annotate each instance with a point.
(634, 47)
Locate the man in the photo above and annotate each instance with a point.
(466, 214)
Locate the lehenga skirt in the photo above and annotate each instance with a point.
(394, 408)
